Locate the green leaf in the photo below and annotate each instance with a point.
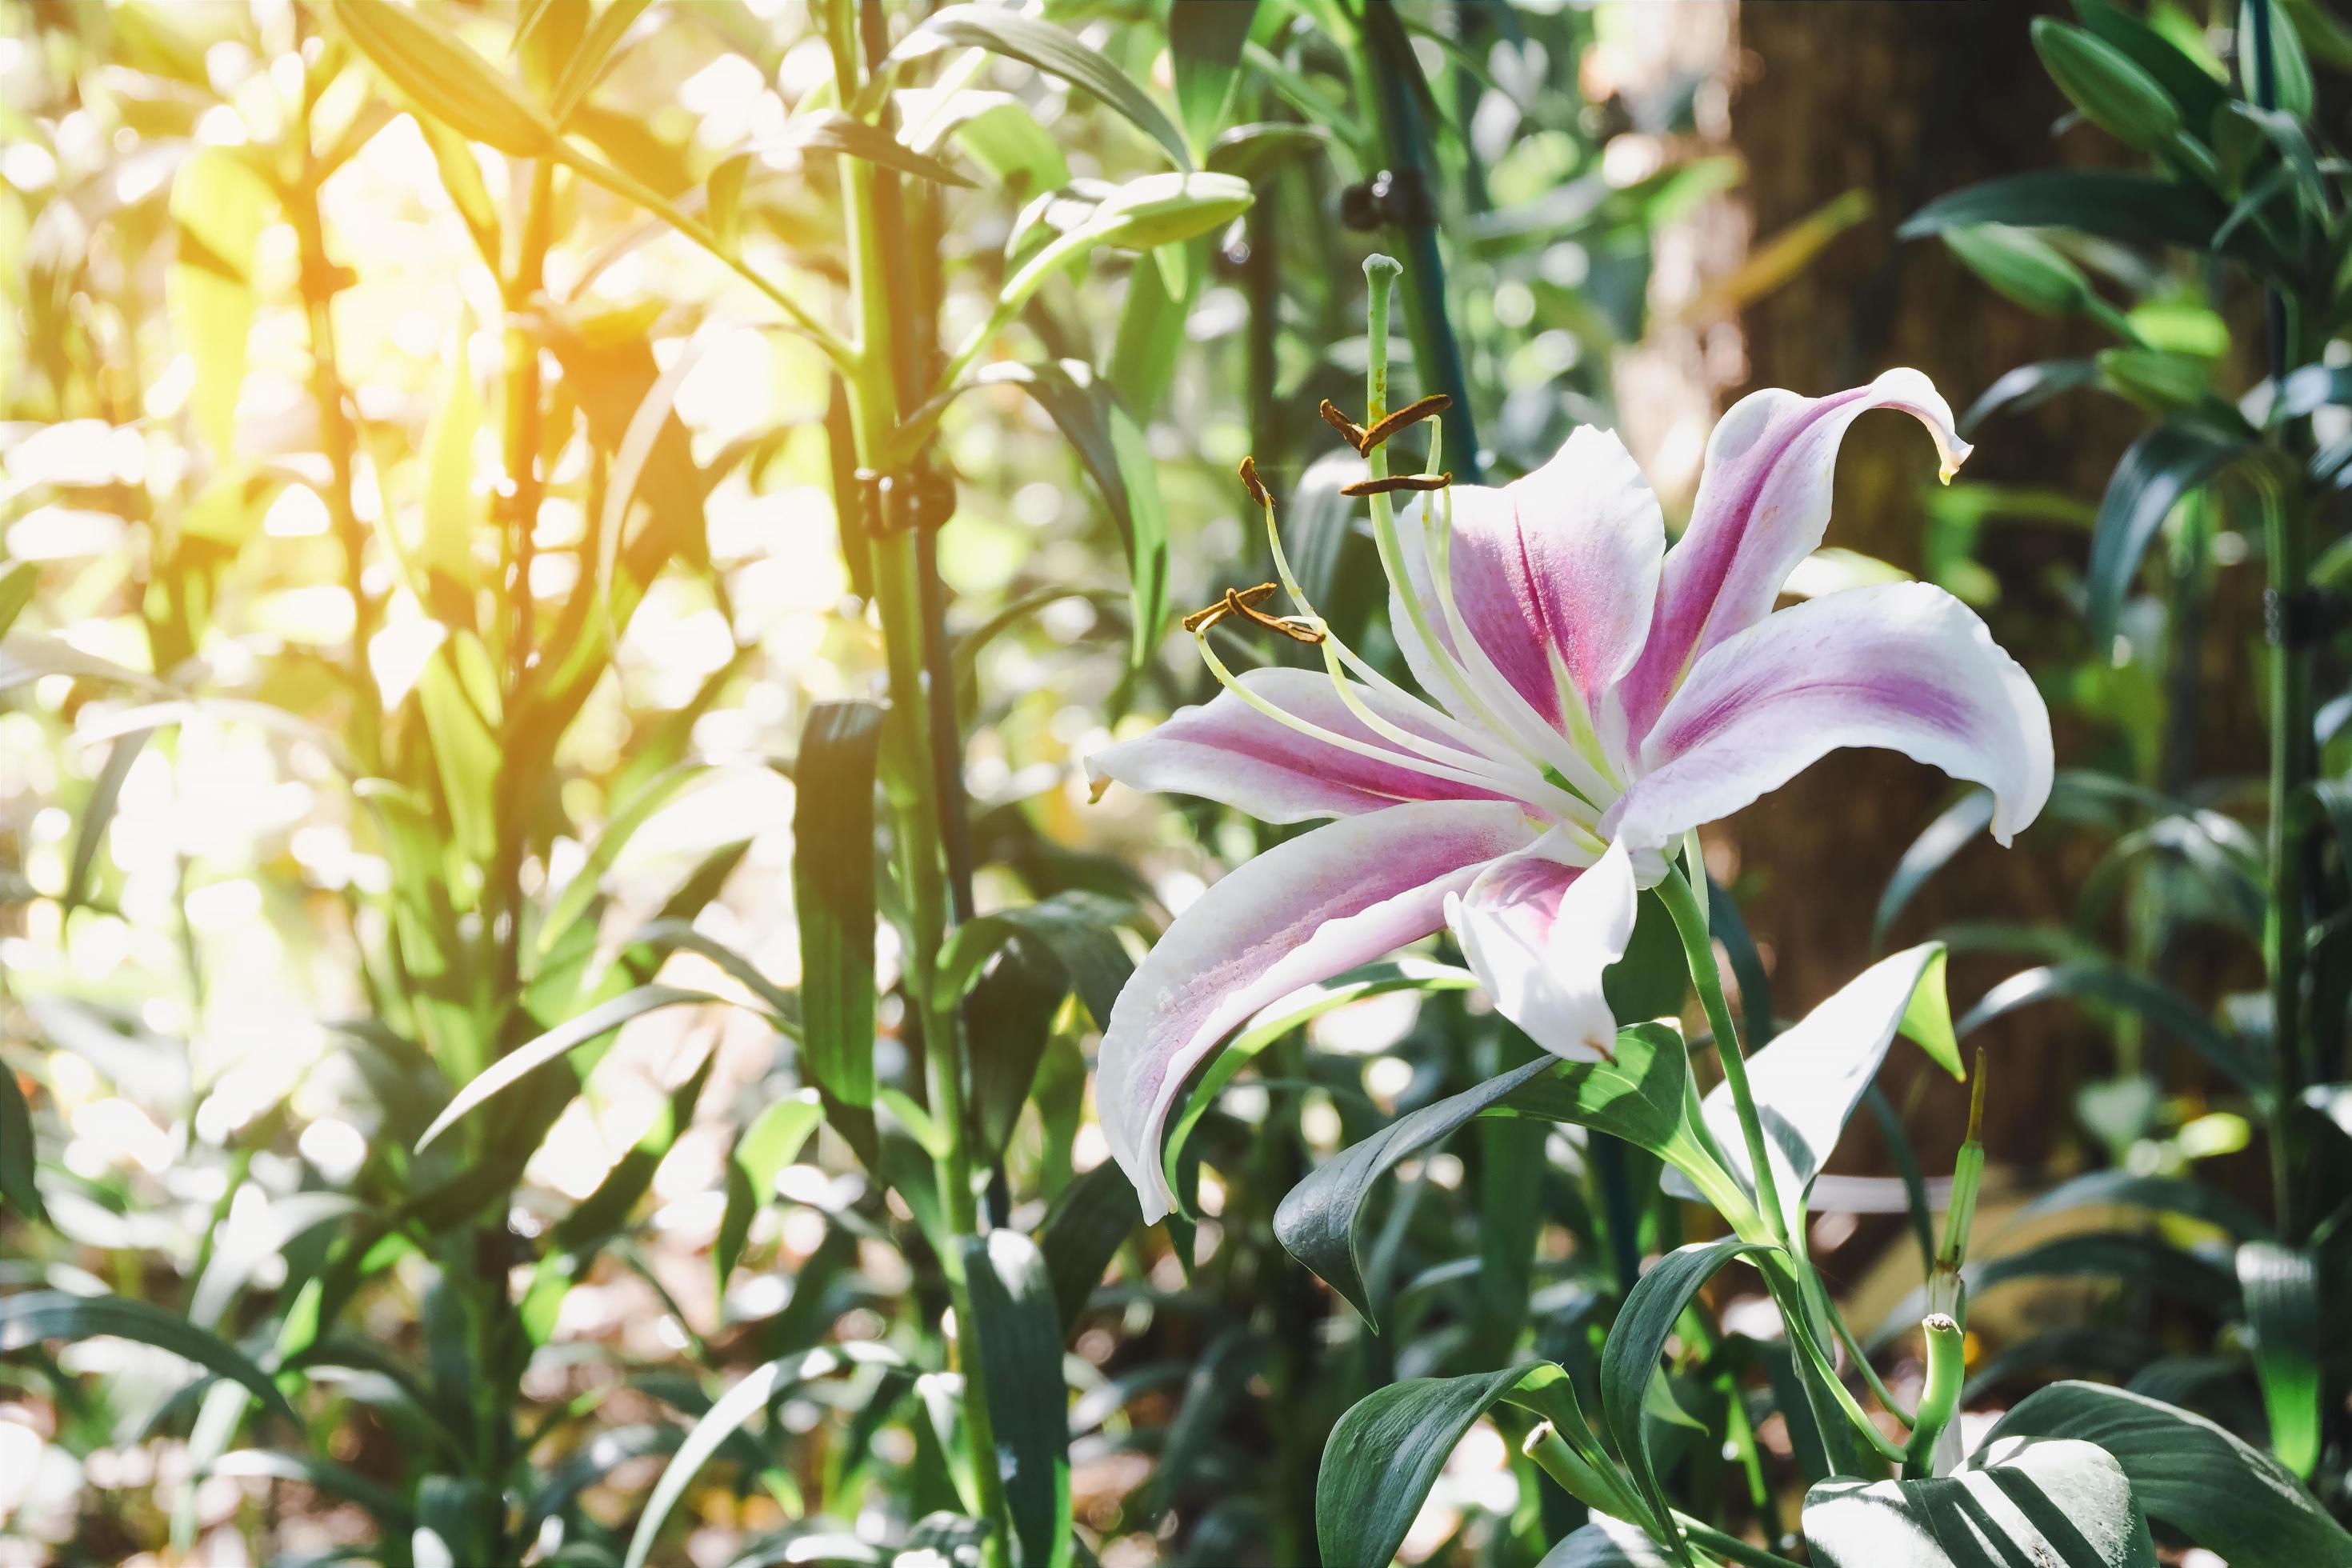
(1052, 49)
(581, 890)
(1807, 1082)
(1204, 47)
(452, 510)
(17, 1151)
(1079, 928)
(589, 1464)
(221, 206)
(2225, 1495)
(2117, 985)
(1090, 1222)
(727, 1415)
(31, 1316)
(1637, 1096)
(2196, 90)
(772, 1142)
(2136, 1261)
(2290, 67)
(833, 895)
(2029, 387)
(2050, 1503)
(1110, 443)
(321, 1475)
(1009, 1016)
(2162, 1195)
(570, 1035)
(1372, 980)
(19, 583)
(2117, 205)
(1629, 1360)
(2281, 1287)
(1019, 1330)
(97, 814)
(831, 131)
(1606, 1542)
(1254, 151)
(434, 68)
(2156, 472)
(1386, 1452)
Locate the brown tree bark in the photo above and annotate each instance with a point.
(1908, 101)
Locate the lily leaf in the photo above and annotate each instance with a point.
(1808, 1081)
(2281, 1287)
(2224, 1494)
(834, 897)
(2053, 1502)
(1054, 50)
(32, 1316)
(1019, 1331)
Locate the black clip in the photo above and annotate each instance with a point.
(921, 500)
(1393, 198)
(2304, 617)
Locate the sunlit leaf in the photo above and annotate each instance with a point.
(16, 1150)
(444, 78)
(833, 895)
(1019, 1332)
(2223, 1494)
(2281, 1287)
(771, 1142)
(2052, 1502)
(221, 206)
(1052, 49)
(29, 1317)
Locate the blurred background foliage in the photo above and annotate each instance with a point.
(440, 608)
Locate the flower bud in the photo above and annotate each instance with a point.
(2112, 93)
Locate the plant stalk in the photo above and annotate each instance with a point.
(909, 779)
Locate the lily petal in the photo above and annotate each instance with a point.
(1903, 666)
(1808, 1080)
(1231, 752)
(1556, 573)
(1763, 505)
(1539, 933)
(1301, 913)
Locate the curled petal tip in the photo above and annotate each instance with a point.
(1095, 788)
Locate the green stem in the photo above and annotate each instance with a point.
(1946, 1367)
(1698, 951)
(908, 782)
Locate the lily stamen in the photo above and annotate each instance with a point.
(1244, 603)
(1394, 482)
(1411, 414)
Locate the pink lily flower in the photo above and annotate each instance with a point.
(1591, 696)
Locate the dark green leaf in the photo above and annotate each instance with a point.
(17, 1153)
(1252, 151)
(2224, 1495)
(1080, 929)
(589, 1464)
(2164, 1195)
(2050, 1503)
(2158, 470)
(2134, 1260)
(1052, 49)
(31, 1316)
(833, 895)
(2198, 93)
(1629, 1360)
(2029, 387)
(1386, 1452)
(1019, 1330)
(1008, 1019)
(1606, 1544)
(1093, 1218)
(2118, 205)
(2115, 984)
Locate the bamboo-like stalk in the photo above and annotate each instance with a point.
(910, 779)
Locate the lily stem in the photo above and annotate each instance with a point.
(1698, 951)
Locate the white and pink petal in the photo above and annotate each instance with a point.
(1763, 505)
(1301, 913)
(1231, 752)
(1539, 931)
(1901, 666)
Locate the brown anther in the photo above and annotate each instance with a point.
(1244, 603)
(1397, 482)
(1411, 414)
(1349, 431)
(1258, 492)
